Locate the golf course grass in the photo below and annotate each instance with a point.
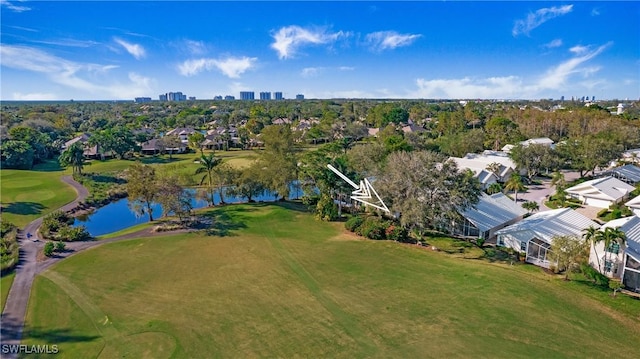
(268, 280)
(5, 284)
(27, 195)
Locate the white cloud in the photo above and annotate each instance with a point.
(13, 7)
(136, 50)
(34, 96)
(553, 43)
(389, 40)
(533, 20)
(231, 67)
(556, 77)
(308, 72)
(595, 11)
(493, 87)
(346, 68)
(578, 49)
(89, 78)
(290, 38)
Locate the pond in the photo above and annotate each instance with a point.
(117, 215)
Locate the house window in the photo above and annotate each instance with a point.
(608, 265)
(523, 246)
(614, 248)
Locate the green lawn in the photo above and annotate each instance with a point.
(5, 285)
(268, 280)
(27, 195)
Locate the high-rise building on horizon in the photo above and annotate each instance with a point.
(173, 96)
(278, 95)
(299, 97)
(265, 95)
(247, 95)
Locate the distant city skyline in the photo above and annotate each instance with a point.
(437, 50)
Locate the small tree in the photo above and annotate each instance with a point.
(142, 189)
(74, 157)
(48, 249)
(531, 206)
(196, 140)
(567, 251)
(616, 286)
(591, 238)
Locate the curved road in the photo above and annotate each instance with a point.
(13, 316)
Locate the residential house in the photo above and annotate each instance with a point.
(545, 141)
(534, 235)
(618, 261)
(482, 164)
(634, 205)
(490, 214)
(155, 146)
(627, 173)
(93, 152)
(600, 192)
(182, 132)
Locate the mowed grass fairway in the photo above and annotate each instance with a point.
(27, 195)
(269, 280)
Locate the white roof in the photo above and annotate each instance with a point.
(478, 162)
(631, 228)
(634, 203)
(629, 172)
(548, 224)
(606, 188)
(537, 141)
(493, 211)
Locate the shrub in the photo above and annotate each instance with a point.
(373, 228)
(72, 234)
(397, 233)
(353, 223)
(593, 274)
(48, 249)
(480, 242)
(60, 246)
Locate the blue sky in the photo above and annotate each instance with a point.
(360, 49)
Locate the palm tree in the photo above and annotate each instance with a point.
(609, 237)
(531, 206)
(591, 237)
(494, 188)
(74, 157)
(515, 184)
(207, 166)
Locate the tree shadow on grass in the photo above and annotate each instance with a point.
(223, 222)
(11, 331)
(23, 208)
(48, 166)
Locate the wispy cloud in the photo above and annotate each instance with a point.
(67, 42)
(533, 20)
(11, 6)
(34, 96)
(87, 77)
(553, 44)
(23, 28)
(195, 47)
(136, 50)
(389, 40)
(492, 87)
(231, 67)
(308, 72)
(595, 11)
(555, 78)
(287, 40)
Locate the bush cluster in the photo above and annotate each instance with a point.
(9, 247)
(58, 226)
(376, 228)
